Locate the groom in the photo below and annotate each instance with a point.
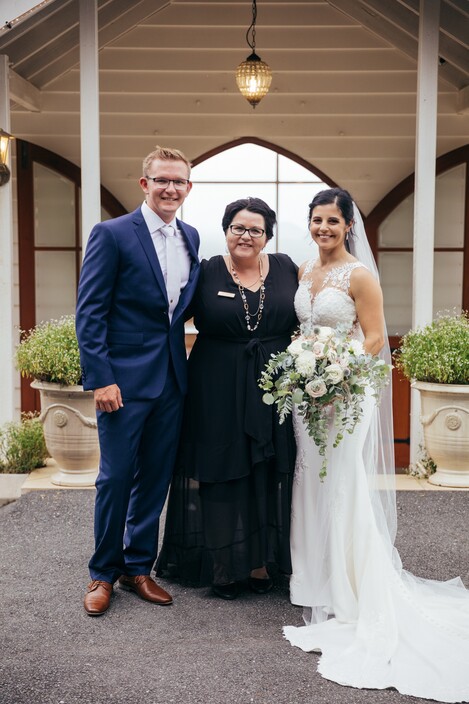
(138, 277)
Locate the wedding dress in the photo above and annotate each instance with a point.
(376, 625)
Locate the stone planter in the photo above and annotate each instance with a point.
(10, 487)
(70, 431)
(445, 420)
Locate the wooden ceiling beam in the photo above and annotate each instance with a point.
(463, 101)
(61, 53)
(24, 93)
(400, 29)
(453, 21)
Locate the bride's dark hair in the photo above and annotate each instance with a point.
(339, 196)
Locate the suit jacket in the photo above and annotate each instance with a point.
(122, 322)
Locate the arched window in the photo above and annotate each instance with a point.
(395, 247)
(49, 238)
(252, 167)
(390, 225)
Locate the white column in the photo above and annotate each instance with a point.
(8, 374)
(424, 208)
(89, 116)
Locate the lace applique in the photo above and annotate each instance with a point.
(301, 465)
(308, 269)
(338, 277)
(332, 305)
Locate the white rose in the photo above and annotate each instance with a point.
(305, 363)
(334, 373)
(323, 333)
(296, 347)
(318, 349)
(356, 347)
(332, 355)
(316, 388)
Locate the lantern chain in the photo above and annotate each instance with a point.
(252, 28)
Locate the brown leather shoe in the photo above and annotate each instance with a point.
(146, 588)
(97, 597)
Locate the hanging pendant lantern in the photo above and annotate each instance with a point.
(253, 75)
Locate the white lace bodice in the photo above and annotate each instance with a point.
(332, 305)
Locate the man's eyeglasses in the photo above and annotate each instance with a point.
(179, 183)
(239, 230)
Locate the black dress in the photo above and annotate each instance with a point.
(229, 505)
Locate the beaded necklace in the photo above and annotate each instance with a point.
(248, 315)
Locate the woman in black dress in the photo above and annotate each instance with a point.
(228, 516)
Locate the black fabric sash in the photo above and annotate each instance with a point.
(257, 415)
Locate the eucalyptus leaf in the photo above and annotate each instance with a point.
(297, 396)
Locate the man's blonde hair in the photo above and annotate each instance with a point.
(165, 154)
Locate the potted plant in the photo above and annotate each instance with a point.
(49, 354)
(435, 358)
(22, 449)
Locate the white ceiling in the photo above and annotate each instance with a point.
(343, 94)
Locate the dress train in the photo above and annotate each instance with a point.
(376, 625)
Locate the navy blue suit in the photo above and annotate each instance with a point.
(126, 338)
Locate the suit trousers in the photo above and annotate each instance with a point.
(138, 448)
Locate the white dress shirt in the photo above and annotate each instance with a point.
(154, 224)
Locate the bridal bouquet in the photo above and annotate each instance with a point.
(324, 372)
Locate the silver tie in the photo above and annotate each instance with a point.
(173, 271)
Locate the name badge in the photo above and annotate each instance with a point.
(226, 294)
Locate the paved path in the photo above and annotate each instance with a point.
(200, 650)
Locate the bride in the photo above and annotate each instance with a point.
(376, 625)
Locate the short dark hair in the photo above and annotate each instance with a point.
(254, 205)
(342, 199)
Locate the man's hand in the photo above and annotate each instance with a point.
(108, 398)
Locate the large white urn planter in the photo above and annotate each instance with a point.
(69, 419)
(445, 420)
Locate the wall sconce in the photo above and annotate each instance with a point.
(253, 76)
(5, 140)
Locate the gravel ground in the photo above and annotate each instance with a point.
(200, 650)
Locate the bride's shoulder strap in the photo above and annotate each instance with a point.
(307, 267)
(339, 276)
(351, 266)
(356, 265)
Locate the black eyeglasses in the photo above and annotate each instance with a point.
(239, 230)
(179, 183)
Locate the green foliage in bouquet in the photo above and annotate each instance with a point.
(437, 353)
(325, 373)
(22, 445)
(49, 352)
